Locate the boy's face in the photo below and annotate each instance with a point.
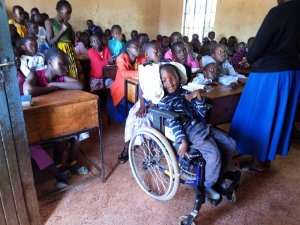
(220, 54)
(96, 43)
(60, 65)
(153, 53)
(117, 34)
(169, 80)
(211, 72)
(134, 49)
(176, 38)
(30, 47)
(165, 42)
(180, 54)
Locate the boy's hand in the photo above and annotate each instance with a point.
(234, 85)
(194, 94)
(64, 27)
(242, 80)
(183, 148)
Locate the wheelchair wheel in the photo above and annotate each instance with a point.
(153, 163)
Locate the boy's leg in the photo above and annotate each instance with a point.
(227, 147)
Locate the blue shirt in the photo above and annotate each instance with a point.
(116, 47)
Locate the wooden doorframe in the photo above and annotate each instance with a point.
(18, 194)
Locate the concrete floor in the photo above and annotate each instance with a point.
(262, 198)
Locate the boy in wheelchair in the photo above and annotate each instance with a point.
(191, 132)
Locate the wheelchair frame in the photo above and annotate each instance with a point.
(158, 171)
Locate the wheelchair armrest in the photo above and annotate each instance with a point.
(159, 115)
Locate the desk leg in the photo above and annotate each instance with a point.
(100, 142)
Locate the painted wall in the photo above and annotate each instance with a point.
(241, 18)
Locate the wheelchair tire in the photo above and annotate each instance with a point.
(153, 164)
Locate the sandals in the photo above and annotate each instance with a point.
(79, 169)
(123, 157)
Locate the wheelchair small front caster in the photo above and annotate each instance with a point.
(183, 221)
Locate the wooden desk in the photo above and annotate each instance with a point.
(110, 71)
(61, 114)
(224, 101)
(131, 91)
(245, 72)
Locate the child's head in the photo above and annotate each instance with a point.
(211, 71)
(116, 32)
(195, 36)
(175, 37)
(32, 28)
(185, 39)
(132, 48)
(165, 42)
(143, 37)
(29, 45)
(19, 14)
(232, 41)
(179, 52)
(104, 40)
(219, 53)
(96, 42)
(240, 46)
(64, 10)
(223, 40)
(211, 35)
(57, 61)
(134, 34)
(85, 39)
(107, 32)
(89, 23)
(152, 52)
(34, 11)
(170, 78)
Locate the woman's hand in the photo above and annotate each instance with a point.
(183, 148)
(64, 27)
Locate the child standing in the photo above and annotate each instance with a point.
(99, 56)
(215, 147)
(116, 45)
(60, 33)
(55, 77)
(138, 115)
(19, 20)
(30, 59)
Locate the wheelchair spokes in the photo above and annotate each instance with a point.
(152, 164)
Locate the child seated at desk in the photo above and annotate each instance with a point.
(99, 56)
(211, 75)
(127, 64)
(30, 59)
(219, 55)
(215, 147)
(37, 153)
(53, 78)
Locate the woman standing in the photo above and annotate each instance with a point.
(263, 121)
(60, 33)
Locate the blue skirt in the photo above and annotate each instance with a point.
(264, 118)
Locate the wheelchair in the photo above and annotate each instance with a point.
(158, 171)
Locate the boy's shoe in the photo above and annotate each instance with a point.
(64, 173)
(61, 185)
(212, 194)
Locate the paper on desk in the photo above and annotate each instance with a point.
(192, 87)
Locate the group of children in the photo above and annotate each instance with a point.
(59, 68)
